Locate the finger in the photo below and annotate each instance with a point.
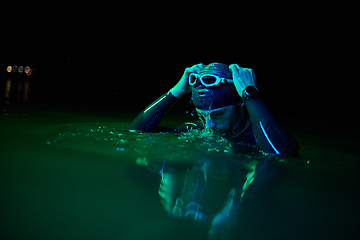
(234, 68)
(246, 71)
(199, 67)
(191, 69)
(253, 76)
(231, 67)
(195, 68)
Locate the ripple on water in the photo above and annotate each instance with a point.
(110, 139)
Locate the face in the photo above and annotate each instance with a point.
(210, 98)
(218, 105)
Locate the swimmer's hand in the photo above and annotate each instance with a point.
(183, 85)
(242, 77)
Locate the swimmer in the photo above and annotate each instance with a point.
(227, 100)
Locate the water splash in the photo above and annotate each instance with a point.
(109, 139)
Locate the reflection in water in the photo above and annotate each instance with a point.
(7, 88)
(211, 191)
(17, 88)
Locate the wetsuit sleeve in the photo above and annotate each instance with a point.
(150, 118)
(269, 135)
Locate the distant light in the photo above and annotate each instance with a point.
(15, 68)
(28, 72)
(27, 69)
(9, 68)
(20, 69)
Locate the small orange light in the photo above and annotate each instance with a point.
(28, 72)
(9, 69)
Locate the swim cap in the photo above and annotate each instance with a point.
(221, 95)
(218, 69)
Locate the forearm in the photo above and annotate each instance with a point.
(270, 136)
(151, 117)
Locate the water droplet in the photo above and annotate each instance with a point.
(141, 161)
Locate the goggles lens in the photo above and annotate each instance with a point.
(207, 80)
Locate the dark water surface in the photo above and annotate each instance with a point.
(69, 172)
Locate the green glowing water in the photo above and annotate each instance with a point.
(111, 139)
(72, 174)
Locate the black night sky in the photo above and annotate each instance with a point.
(131, 55)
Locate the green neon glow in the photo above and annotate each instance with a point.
(249, 179)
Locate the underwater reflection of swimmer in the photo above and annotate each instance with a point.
(211, 192)
(227, 100)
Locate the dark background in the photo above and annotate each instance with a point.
(127, 56)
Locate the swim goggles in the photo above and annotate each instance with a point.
(208, 80)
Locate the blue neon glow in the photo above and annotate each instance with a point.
(268, 139)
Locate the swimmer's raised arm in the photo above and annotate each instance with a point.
(149, 119)
(269, 135)
(183, 85)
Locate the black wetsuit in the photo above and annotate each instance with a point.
(264, 131)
